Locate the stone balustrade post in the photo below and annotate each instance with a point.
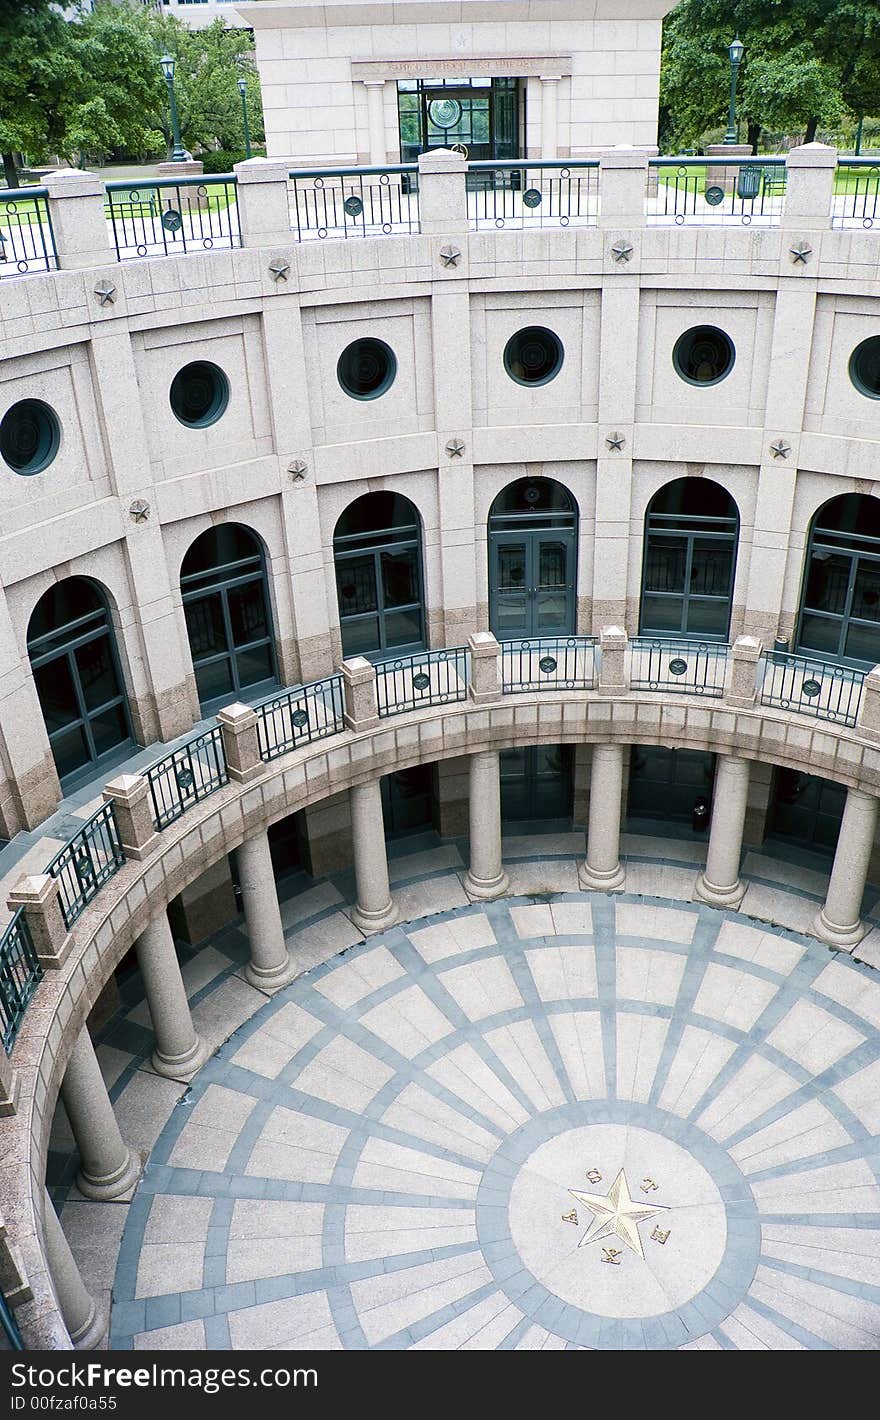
(359, 693)
(868, 721)
(38, 895)
(612, 661)
(85, 1325)
(745, 656)
(9, 1084)
(263, 196)
(241, 746)
(809, 188)
(485, 686)
(623, 185)
(14, 1282)
(108, 1168)
(79, 226)
(839, 921)
(442, 192)
(133, 810)
(270, 966)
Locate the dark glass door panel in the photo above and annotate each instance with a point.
(805, 809)
(57, 693)
(664, 783)
(531, 589)
(408, 800)
(214, 678)
(254, 665)
(71, 751)
(205, 626)
(109, 728)
(356, 585)
(400, 577)
(665, 564)
(97, 673)
(536, 783)
(247, 613)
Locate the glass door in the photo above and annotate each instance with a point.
(531, 589)
(536, 783)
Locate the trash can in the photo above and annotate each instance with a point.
(700, 814)
(748, 183)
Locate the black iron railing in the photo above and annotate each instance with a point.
(27, 242)
(86, 862)
(186, 776)
(548, 663)
(713, 191)
(426, 678)
(171, 216)
(20, 974)
(809, 686)
(856, 193)
(537, 194)
(355, 202)
(310, 712)
(687, 667)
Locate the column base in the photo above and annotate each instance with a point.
(89, 1336)
(593, 880)
(121, 1184)
(485, 889)
(370, 922)
(182, 1067)
(845, 937)
(704, 891)
(272, 979)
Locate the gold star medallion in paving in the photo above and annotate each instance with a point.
(616, 1215)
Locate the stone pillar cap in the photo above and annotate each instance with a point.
(442, 160)
(262, 170)
(612, 631)
(124, 785)
(483, 640)
(748, 646)
(356, 665)
(73, 182)
(34, 887)
(623, 155)
(234, 713)
(812, 155)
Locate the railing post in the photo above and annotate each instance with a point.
(13, 1277)
(8, 1102)
(359, 691)
(133, 810)
(263, 198)
(442, 191)
(809, 188)
(38, 895)
(613, 642)
(485, 686)
(868, 721)
(238, 726)
(745, 654)
(623, 185)
(76, 207)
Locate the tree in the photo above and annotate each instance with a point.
(208, 65)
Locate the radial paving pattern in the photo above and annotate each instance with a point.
(581, 1122)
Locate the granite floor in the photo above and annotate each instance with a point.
(558, 1121)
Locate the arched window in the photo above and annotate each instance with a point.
(691, 532)
(377, 550)
(72, 651)
(532, 560)
(840, 602)
(226, 604)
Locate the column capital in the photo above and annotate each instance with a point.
(613, 642)
(133, 807)
(238, 726)
(745, 653)
(359, 692)
(485, 686)
(38, 895)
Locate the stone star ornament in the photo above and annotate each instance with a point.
(616, 1215)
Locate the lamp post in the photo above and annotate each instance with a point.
(735, 50)
(242, 89)
(179, 153)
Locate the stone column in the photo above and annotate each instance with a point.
(485, 877)
(179, 1052)
(549, 112)
(719, 883)
(107, 1167)
(270, 966)
(603, 870)
(376, 121)
(375, 908)
(85, 1327)
(839, 921)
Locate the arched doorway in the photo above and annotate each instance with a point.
(72, 651)
(228, 621)
(532, 560)
(840, 601)
(691, 532)
(377, 552)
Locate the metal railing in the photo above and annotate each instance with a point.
(91, 857)
(715, 191)
(858, 203)
(355, 202)
(548, 663)
(809, 686)
(27, 241)
(688, 667)
(186, 776)
(539, 194)
(310, 712)
(426, 678)
(171, 216)
(20, 974)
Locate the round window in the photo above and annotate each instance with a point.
(445, 113)
(533, 356)
(199, 394)
(366, 368)
(29, 436)
(864, 367)
(703, 355)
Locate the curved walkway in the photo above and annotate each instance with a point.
(393, 1151)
